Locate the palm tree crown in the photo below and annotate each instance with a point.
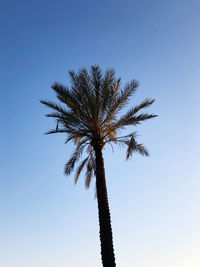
(90, 116)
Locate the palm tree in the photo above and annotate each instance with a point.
(89, 116)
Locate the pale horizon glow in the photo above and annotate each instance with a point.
(46, 221)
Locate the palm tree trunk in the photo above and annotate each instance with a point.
(107, 250)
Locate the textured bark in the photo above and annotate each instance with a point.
(107, 250)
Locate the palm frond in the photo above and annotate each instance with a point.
(72, 100)
(141, 117)
(90, 171)
(127, 119)
(125, 95)
(133, 146)
(79, 169)
(120, 100)
(130, 141)
(140, 148)
(73, 135)
(68, 117)
(108, 83)
(96, 80)
(145, 104)
(84, 92)
(64, 95)
(56, 131)
(54, 106)
(69, 166)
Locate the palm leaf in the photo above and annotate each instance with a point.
(69, 166)
(79, 170)
(90, 172)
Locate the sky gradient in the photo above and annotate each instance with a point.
(45, 221)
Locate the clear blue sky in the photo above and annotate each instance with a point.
(45, 221)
